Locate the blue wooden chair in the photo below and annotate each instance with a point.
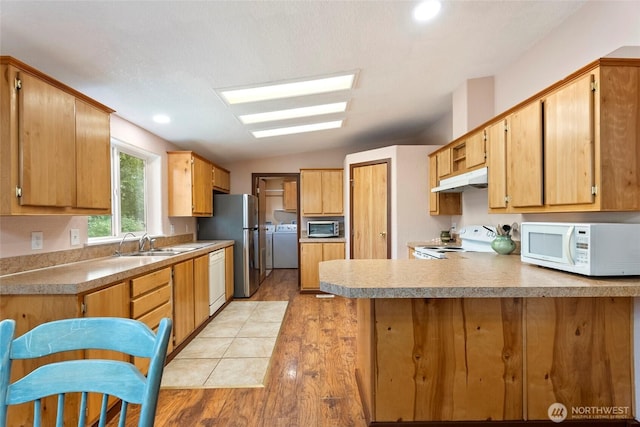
(107, 377)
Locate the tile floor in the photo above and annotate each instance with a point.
(233, 350)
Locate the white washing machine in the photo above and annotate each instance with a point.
(285, 246)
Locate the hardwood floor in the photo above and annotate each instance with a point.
(311, 381)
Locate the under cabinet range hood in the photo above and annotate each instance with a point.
(457, 184)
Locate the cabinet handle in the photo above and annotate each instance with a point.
(383, 234)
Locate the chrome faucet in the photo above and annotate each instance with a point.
(145, 238)
(119, 251)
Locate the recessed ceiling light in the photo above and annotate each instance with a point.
(293, 113)
(161, 118)
(288, 90)
(426, 10)
(297, 129)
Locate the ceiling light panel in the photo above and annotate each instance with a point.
(294, 113)
(297, 129)
(288, 90)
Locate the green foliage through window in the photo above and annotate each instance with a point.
(132, 215)
(129, 209)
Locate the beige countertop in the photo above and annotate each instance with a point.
(85, 276)
(306, 239)
(464, 275)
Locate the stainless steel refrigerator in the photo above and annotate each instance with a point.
(235, 217)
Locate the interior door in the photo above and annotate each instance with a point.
(370, 211)
(262, 226)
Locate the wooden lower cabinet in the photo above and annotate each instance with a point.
(311, 254)
(183, 301)
(190, 296)
(477, 359)
(201, 289)
(110, 302)
(228, 272)
(150, 302)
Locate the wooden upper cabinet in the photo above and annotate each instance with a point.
(497, 164)
(444, 162)
(573, 147)
(290, 195)
(54, 146)
(190, 191)
(524, 157)
(221, 179)
(569, 143)
(93, 157)
(476, 151)
(441, 203)
(47, 141)
(322, 192)
(466, 154)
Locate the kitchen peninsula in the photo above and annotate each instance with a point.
(485, 337)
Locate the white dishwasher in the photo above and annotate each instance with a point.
(216, 280)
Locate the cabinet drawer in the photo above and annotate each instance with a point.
(150, 281)
(151, 300)
(152, 319)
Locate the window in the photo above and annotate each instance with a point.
(130, 170)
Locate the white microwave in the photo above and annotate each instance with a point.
(323, 228)
(596, 249)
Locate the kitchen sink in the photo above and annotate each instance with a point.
(153, 253)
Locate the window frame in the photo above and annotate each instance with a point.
(150, 188)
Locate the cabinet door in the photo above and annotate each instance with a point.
(310, 256)
(109, 302)
(221, 179)
(201, 289)
(202, 194)
(444, 162)
(569, 144)
(332, 251)
(441, 203)
(476, 150)
(93, 158)
(497, 164)
(433, 182)
(524, 154)
(290, 196)
(47, 144)
(311, 183)
(332, 190)
(183, 306)
(180, 178)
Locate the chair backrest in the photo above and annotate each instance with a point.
(107, 377)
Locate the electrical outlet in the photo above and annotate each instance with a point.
(173, 229)
(75, 236)
(37, 240)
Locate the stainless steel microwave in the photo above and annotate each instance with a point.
(591, 249)
(323, 228)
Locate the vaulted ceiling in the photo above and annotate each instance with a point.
(147, 57)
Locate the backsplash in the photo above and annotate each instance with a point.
(22, 263)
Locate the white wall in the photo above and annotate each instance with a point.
(595, 30)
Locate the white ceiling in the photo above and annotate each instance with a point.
(147, 57)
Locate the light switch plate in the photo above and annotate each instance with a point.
(37, 240)
(75, 236)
